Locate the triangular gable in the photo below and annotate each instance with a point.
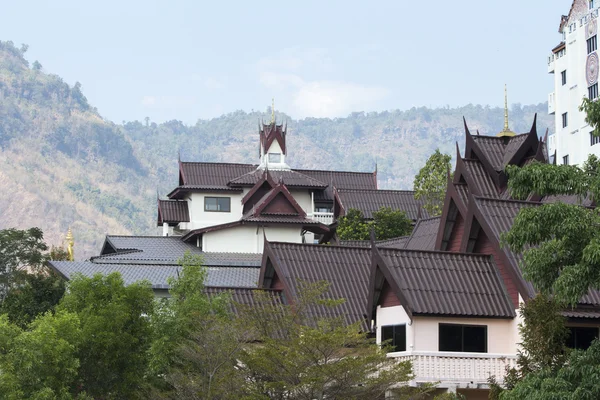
(278, 201)
(270, 133)
(382, 284)
(272, 276)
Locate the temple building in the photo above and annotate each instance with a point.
(573, 63)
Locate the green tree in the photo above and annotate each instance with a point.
(19, 250)
(560, 242)
(194, 340)
(40, 362)
(430, 182)
(387, 223)
(352, 226)
(301, 356)
(37, 66)
(115, 333)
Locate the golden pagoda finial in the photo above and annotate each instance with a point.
(273, 110)
(70, 244)
(506, 131)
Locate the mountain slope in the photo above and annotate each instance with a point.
(64, 165)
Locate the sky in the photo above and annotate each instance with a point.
(194, 59)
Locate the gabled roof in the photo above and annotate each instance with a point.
(290, 177)
(345, 268)
(340, 180)
(369, 201)
(180, 191)
(271, 132)
(277, 201)
(423, 236)
(439, 283)
(172, 212)
(216, 175)
(394, 243)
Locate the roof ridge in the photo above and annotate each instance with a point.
(142, 236)
(435, 252)
(506, 200)
(218, 163)
(376, 190)
(326, 170)
(319, 245)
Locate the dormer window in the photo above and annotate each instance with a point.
(274, 158)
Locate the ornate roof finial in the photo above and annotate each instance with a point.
(506, 131)
(273, 110)
(70, 244)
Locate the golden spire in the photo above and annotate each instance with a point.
(506, 131)
(70, 243)
(273, 110)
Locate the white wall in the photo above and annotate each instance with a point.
(573, 140)
(200, 218)
(303, 198)
(248, 238)
(423, 333)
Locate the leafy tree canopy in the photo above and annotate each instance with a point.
(430, 182)
(560, 242)
(387, 223)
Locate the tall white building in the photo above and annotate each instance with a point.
(574, 65)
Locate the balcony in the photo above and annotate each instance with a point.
(456, 369)
(551, 103)
(323, 217)
(551, 64)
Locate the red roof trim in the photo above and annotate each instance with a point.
(266, 177)
(280, 188)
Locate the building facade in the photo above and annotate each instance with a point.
(574, 65)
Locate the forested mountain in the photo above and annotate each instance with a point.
(63, 165)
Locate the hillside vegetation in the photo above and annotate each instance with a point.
(64, 165)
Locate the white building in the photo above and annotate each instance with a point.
(574, 65)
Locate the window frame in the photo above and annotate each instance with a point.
(593, 91)
(217, 203)
(566, 159)
(273, 154)
(396, 347)
(594, 139)
(565, 120)
(462, 346)
(573, 328)
(563, 77)
(592, 44)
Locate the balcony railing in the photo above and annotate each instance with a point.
(323, 217)
(456, 368)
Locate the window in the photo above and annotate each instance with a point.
(594, 139)
(581, 338)
(564, 120)
(592, 45)
(566, 160)
(591, 4)
(274, 158)
(563, 77)
(464, 338)
(323, 207)
(217, 204)
(396, 334)
(593, 91)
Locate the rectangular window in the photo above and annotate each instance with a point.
(396, 334)
(217, 204)
(563, 77)
(566, 160)
(592, 45)
(594, 139)
(463, 338)
(275, 158)
(593, 91)
(564, 120)
(591, 4)
(581, 338)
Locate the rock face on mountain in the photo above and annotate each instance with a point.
(63, 165)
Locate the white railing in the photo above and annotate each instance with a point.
(456, 368)
(323, 217)
(551, 103)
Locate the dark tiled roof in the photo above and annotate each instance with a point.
(449, 283)
(180, 191)
(481, 178)
(569, 199)
(356, 243)
(500, 150)
(158, 275)
(290, 179)
(423, 235)
(394, 243)
(463, 192)
(369, 201)
(245, 296)
(345, 268)
(173, 211)
(212, 174)
(582, 313)
(289, 219)
(340, 180)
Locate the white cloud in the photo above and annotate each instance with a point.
(304, 97)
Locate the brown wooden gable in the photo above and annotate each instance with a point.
(261, 190)
(278, 200)
(388, 298)
(181, 175)
(451, 226)
(269, 133)
(271, 275)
